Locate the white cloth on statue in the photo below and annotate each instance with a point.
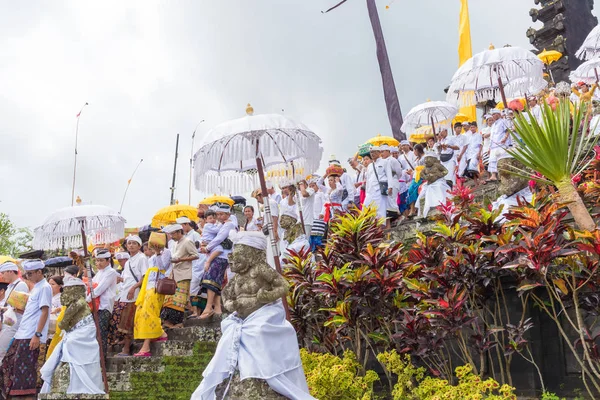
(511, 201)
(79, 348)
(300, 243)
(434, 195)
(262, 346)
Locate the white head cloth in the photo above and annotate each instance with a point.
(172, 228)
(284, 182)
(269, 185)
(33, 265)
(405, 142)
(375, 148)
(183, 220)
(134, 238)
(224, 208)
(103, 253)
(70, 280)
(122, 256)
(384, 147)
(253, 239)
(394, 149)
(495, 111)
(9, 266)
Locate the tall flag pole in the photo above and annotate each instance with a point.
(128, 184)
(465, 50)
(75, 163)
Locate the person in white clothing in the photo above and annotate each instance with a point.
(447, 148)
(188, 230)
(394, 181)
(10, 274)
(534, 109)
(20, 364)
(407, 153)
(274, 240)
(308, 205)
(273, 195)
(252, 224)
(347, 182)
(472, 155)
(486, 133)
(105, 288)
(376, 188)
(56, 282)
(121, 325)
(499, 140)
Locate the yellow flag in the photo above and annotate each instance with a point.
(465, 49)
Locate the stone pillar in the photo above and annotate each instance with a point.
(566, 25)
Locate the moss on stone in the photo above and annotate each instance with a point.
(180, 378)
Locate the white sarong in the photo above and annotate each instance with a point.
(434, 195)
(263, 346)
(79, 348)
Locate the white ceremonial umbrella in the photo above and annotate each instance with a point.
(495, 74)
(429, 113)
(586, 72)
(591, 45)
(70, 227)
(243, 146)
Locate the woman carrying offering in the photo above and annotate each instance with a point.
(147, 325)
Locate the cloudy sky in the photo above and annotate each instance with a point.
(152, 69)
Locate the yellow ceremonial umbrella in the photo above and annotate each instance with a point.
(421, 134)
(379, 140)
(217, 199)
(4, 259)
(460, 118)
(549, 56)
(500, 106)
(168, 215)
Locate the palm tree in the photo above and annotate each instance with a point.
(557, 148)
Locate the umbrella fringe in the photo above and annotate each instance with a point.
(100, 229)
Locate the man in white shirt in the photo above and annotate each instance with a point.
(377, 172)
(20, 364)
(407, 155)
(10, 274)
(188, 230)
(447, 148)
(499, 141)
(106, 291)
(273, 195)
(308, 205)
(474, 143)
(534, 109)
(396, 172)
(124, 312)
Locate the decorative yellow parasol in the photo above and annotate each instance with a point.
(460, 118)
(500, 106)
(4, 259)
(168, 215)
(549, 56)
(379, 140)
(420, 135)
(217, 199)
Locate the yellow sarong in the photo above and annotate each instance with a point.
(57, 335)
(147, 324)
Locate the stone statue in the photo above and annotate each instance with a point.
(293, 228)
(433, 170)
(254, 284)
(73, 297)
(509, 182)
(258, 355)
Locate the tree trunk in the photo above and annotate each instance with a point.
(568, 194)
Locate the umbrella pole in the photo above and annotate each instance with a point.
(94, 311)
(501, 87)
(298, 199)
(596, 72)
(269, 222)
(433, 128)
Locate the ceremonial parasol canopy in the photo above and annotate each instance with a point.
(591, 45)
(381, 140)
(236, 145)
(429, 113)
(549, 56)
(63, 228)
(587, 72)
(4, 259)
(218, 199)
(167, 215)
(496, 74)
(420, 135)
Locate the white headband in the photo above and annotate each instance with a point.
(134, 238)
(9, 266)
(33, 265)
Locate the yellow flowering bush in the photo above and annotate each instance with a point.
(412, 385)
(334, 378)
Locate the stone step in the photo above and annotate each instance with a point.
(193, 333)
(168, 348)
(127, 365)
(62, 396)
(119, 381)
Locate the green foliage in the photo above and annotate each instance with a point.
(412, 385)
(334, 378)
(550, 396)
(13, 240)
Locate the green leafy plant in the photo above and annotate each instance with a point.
(557, 148)
(333, 378)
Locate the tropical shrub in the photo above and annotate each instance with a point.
(333, 378)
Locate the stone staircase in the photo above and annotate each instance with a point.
(173, 372)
